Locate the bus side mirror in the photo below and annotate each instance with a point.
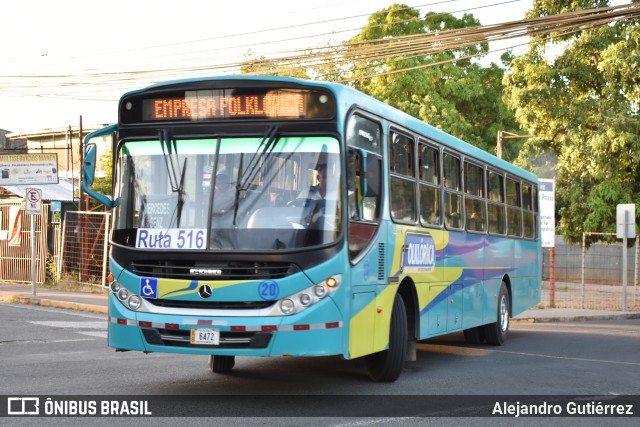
(89, 163)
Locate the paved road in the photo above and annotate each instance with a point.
(48, 351)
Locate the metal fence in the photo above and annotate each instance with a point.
(16, 243)
(592, 278)
(84, 255)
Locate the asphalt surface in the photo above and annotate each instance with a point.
(97, 303)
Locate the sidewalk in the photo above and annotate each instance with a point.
(97, 303)
(82, 301)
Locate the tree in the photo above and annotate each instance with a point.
(587, 96)
(449, 89)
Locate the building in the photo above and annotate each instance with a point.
(57, 199)
(64, 142)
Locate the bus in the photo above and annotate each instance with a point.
(270, 216)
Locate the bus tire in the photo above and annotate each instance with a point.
(386, 365)
(496, 333)
(222, 364)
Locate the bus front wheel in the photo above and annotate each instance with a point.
(221, 364)
(496, 333)
(386, 366)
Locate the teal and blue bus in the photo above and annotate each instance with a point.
(268, 216)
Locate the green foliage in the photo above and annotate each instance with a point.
(264, 66)
(51, 274)
(446, 89)
(104, 184)
(588, 97)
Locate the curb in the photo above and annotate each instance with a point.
(57, 304)
(625, 316)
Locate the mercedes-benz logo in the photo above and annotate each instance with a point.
(205, 291)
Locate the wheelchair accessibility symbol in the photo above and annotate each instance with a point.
(148, 287)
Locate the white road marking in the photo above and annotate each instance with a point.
(96, 329)
(71, 324)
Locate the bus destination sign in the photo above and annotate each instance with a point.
(223, 104)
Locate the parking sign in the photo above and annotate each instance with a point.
(33, 201)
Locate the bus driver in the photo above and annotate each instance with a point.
(319, 191)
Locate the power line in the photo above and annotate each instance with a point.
(381, 50)
(255, 43)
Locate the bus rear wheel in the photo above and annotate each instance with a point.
(386, 366)
(496, 333)
(222, 364)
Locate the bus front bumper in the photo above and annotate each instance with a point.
(307, 333)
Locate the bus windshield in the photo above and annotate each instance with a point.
(250, 193)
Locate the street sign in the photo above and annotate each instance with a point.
(547, 213)
(33, 201)
(625, 229)
(626, 221)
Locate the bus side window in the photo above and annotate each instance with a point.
(402, 185)
(495, 203)
(452, 196)
(474, 202)
(429, 175)
(530, 219)
(514, 212)
(364, 182)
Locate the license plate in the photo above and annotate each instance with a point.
(205, 336)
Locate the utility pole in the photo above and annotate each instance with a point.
(514, 136)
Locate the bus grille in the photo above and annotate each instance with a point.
(192, 270)
(180, 338)
(212, 305)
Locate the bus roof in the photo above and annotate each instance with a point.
(350, 97)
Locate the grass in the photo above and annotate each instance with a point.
(72, 285)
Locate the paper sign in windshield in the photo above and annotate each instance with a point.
(171, 238)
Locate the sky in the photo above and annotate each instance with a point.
(69, 58)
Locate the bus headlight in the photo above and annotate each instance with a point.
(114, 286)
(305, 299)
(299, 301)
(125, 296)
(287, 306)
(134, 302)
(320, 291)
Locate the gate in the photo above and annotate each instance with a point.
(15, 243)
(85, 250)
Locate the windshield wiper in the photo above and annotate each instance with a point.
(267, 144)
(170, 151)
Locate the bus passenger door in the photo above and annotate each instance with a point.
(364, 196)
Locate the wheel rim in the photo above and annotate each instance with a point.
(504, 314)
